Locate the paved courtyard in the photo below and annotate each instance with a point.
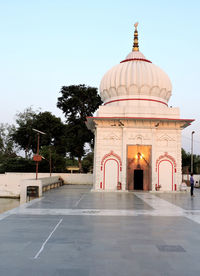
(75, 232)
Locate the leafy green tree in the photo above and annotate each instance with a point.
(78, 102)
(55, 132)
(24, 135)
(54, 138)
(51, 158)
(17, 164)
(186, 162)
(7, 145)
(87, 162)
(186, 158)
(8, 149)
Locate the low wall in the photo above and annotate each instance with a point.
(77, 178)
(186, 177)
(10, 183)
(40, 183)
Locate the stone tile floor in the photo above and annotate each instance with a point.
(72, 231)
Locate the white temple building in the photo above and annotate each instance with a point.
(137, 135)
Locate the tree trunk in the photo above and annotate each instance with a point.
(26, 153)
(80, 164)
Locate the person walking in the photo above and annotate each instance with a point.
(191, 184)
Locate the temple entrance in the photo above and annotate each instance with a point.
(138, 180)
(139, 167)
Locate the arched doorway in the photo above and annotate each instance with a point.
(165, 175)
(111, 177)
(166, 169)
(111, 166)
(139, 167)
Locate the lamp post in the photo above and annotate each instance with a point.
(192, 151)
(37, 153)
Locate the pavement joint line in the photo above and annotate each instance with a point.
(44, 243)
(107, 212)
(160, 207)
(77, 203)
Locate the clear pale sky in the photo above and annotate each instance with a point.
(46, 44)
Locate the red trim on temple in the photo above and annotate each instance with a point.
(142, 118)
(136, 99)
(111, 153)
(139, 59)
(166, 155)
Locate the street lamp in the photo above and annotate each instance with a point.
(192, 151)
(38, 158)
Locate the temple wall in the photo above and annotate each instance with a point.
(113, 139)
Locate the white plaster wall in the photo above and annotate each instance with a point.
(10, 182)
(166, 138)
(135, 110)
(107, 139)
(168, 141)
(79, 178)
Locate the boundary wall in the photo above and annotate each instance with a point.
(186, 177)
(10, 183)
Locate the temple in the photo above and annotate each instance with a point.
(137, 135)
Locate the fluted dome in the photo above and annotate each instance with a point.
(135, 78)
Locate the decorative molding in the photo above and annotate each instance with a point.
(108, 155)
(166, 155)
(165, 137)
(112, 136)
(139, 136)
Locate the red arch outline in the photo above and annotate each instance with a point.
(104, 171)
(172, 171)
(166, 155)
(111, 153)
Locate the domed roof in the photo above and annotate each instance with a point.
(135, 79)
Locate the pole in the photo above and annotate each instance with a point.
(37, 154)
(38, 142)
(50, 161)
(192, 151)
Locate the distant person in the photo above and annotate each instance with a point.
(191, 184)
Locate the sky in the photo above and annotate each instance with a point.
(46, 44)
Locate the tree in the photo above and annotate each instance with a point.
(17, 164)
(186, 162)
(186, 158)
(8, 149)
(78, 102)
(88, 162)
(54, 139)
(7, 145)
(24, 134)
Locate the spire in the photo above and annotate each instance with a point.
(135, 42)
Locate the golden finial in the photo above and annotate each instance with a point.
(135, 42)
